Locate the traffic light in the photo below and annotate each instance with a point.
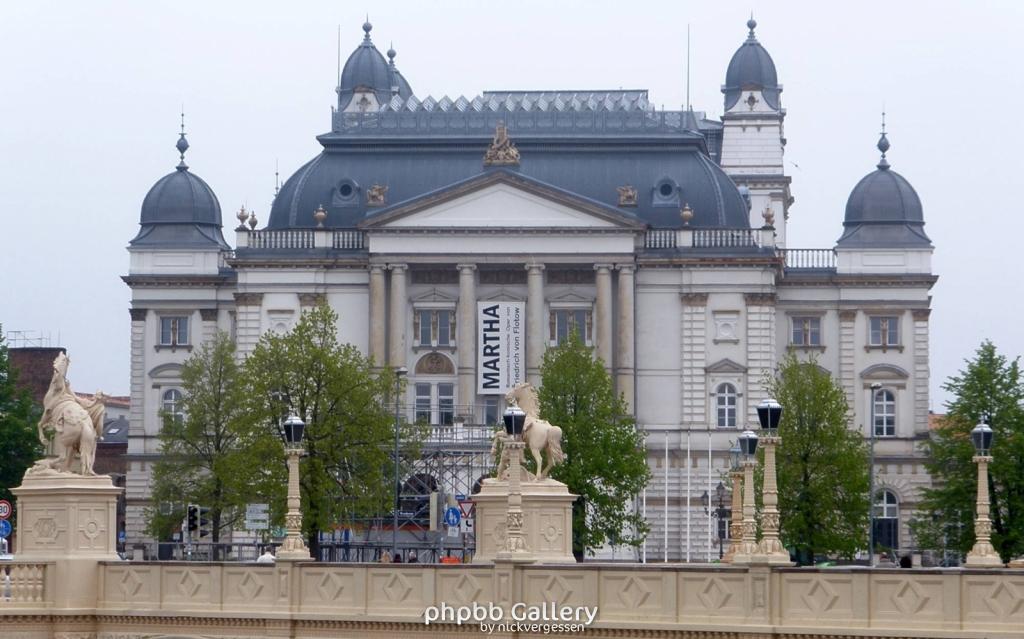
(204, 523)
(192, 518)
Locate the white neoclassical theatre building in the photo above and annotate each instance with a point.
(659, 235)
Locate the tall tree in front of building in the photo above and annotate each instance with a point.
(989, 389)
(822, 466)
(19, 441)
(605, 461)
(206, 458)
(347, 406)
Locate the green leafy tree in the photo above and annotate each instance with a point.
(208, 459)
(822, 466)
(347, 471)
(19, 441)
(989, 389)
(605, 461)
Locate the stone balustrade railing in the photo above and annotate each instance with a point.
(24, 584)
(699, 238)
(809, 259)
(299, 239)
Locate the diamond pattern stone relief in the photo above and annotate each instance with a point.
(397, 588)
(556, 589)
(909, 599)
(634, 594)
(188, 585)
(820, 597)
(468, 589)
(714, 594)
(250, 587)
(130, 584)
(330, 586)
(1005, 599)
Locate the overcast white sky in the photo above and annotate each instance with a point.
(90, 94)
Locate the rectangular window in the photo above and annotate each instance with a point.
(885, 331)
(446, 404)
(564, 321)
(173, 331)
(423, 403)
(806, 331)
(434, 328)
(491, 415)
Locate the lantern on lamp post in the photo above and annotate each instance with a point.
(770, 550)
(294, 547)
(982, 555)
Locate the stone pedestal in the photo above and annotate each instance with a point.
(70, 521)
(547, 521)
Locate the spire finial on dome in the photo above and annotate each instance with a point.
(182, 144)
(367, 27)
(751, 24)
(883, 146)
(391, 53)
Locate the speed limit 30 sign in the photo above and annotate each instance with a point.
(5, 509)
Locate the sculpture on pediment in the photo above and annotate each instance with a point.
(501, 152)
(627, 195)
(540, 436)
(70, 425)
(376, 195)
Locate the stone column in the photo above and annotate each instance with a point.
(625, 360)
(535, 334)
(748, 543)
(466, 343)
(378, 303)
(983, 555)
(770, 549)
(399, 316)
(294, 546)
(736, 523)
(604, 314)
(209, 319)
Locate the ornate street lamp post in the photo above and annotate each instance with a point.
(748, 543)
(515, 544)
(736, 523)
(294, 546)
(982, 555)
(770, 550)
(720, 513)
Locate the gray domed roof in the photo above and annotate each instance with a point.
(366, 69)
(180, 210)
(883, 210)
(751, 68)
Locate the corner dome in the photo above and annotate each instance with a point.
(180, 210)
(883, 210)
(751, 68)
(366, 70)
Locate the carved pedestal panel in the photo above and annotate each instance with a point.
(547, 520)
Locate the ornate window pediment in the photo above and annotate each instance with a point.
(725, 366)
(884, 371)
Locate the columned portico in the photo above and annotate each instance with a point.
(535, 321)
(466, 338)
(378, 338)
(399, 313)
(604, 314)
(625, 370)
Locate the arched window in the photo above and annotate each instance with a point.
(172, 405)
(725, 402)
(887, 520)
(884, 411)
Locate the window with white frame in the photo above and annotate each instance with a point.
(171, 401)
(434, 327)
(886, 520)
(884, 411)
(563, 321)
(884, 330)
(726, 400)
(174, 330)
(435, 403)
(806, 331)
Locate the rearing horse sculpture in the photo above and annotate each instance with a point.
(539, 435)
(76, 423)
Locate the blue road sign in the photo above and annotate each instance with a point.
(452, 516)
(5, 528)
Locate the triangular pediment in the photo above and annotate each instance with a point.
(501, 200)
(726, 366)
(570, 297)
(435, 296)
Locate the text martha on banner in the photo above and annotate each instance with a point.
(500, 341)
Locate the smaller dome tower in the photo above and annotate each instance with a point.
(180, 210)
(751, 68)
(883, 210)
(368, 80)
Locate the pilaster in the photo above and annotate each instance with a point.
(693, 359)
(921, 369)
(399, 314)
(466, 340)
(626, 366)
(209, 320)
(535, 321)
(847, 354)
(760, 348)
(248, 308)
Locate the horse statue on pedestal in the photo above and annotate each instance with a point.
(76, 424)
(539, 435)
